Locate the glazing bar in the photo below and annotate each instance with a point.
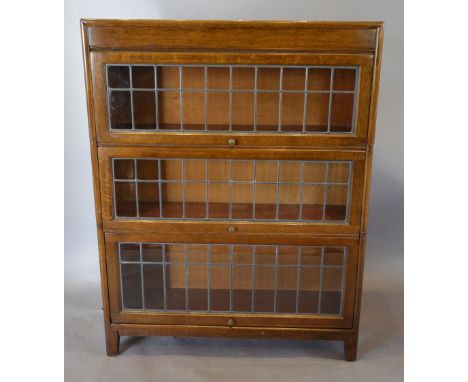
(322, 251)
(298, 277)
(255, 100)
(325, 190)
(330, 101)
(181, 106)
(231, 248)
(183, 188)
(280, 99)
(276, 280)
(186, 279)
(254, 251)
(136, 189)
(230, 98)
(164, 264)
(230, 189)
(156, 96)
(306, 85)
(302, 192)
(142, 278)
(205, 69)
(277, 190)
(160, 188)
(131, 96)
(206, 188)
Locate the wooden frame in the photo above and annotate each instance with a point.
(148, 41)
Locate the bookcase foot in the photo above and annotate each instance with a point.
(112, 342)
(350, 348)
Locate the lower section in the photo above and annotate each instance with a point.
(349, 337)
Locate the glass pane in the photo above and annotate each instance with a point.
(287, 255)
(197, 253)
(168, 77)
(120, 110)
(264, 289)
(311, 256)
(242, 111)
(143, 77)
(124, 169)
(220, 283)
(294, 79)
(243, 78)
(154, 286)
(175, 253)
(333, 256)
(148, 199)
(218, 200)
(265, 201)
(125, 199)
(266, 171)
(144, 110)
(218, 77)
(131, 286)
(319, 79)
(331, 291)
(169, 110)
(317, 112)
(220, 254)
(147, 169)
(118, 77)
(342, 112)
(268, 79)
(312, 199)
(337, 198)
(344, 79)
(198, 287)
(129, 252)
(172, 197)
(314, 172)
(267, 111)
(218, 111)
(289, 201)
(243, 254)
(195, 169)
(338, 172)
(242, 201)
(292, 112)
(242, 288)
(193, 77)
(218, 170)
(194, 111)
(242, 170)
(175, 286)
(152, 253)
(287, 287)
(171, 169)
(290, 171)
(265, 255)
(195, 200)
(308, 290)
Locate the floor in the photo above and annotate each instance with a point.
(380, 352)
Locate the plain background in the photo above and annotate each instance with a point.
(380, 354)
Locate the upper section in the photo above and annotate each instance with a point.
(232, 83)
(274, 36)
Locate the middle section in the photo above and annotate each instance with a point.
(212, 185)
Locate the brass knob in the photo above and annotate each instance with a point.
(232, 229)
(231, 322)
(231, 142)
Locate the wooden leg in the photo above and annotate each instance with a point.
(350, 348)
(112, 342)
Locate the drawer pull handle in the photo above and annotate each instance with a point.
(230, 322)
(232, 142)
(232, 229)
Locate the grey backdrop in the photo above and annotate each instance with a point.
(381, 334)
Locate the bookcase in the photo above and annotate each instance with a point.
(231, 164)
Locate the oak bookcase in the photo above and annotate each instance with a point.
(231, 164)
